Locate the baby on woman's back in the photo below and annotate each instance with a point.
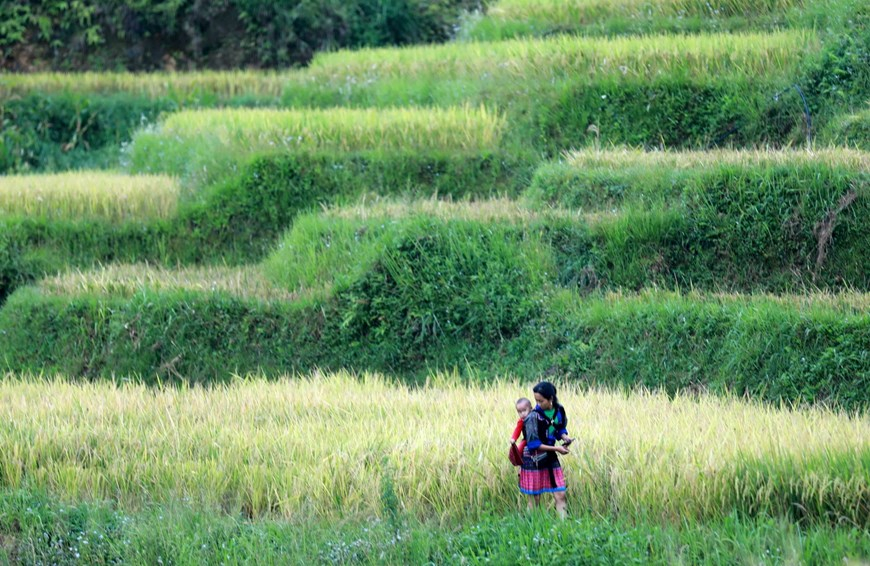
(524, 407)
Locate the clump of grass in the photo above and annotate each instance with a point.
(292, 448)
(91, 195)
(126, 280)
(204, 141)
(622, 179)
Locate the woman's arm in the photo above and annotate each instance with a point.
(547, 448)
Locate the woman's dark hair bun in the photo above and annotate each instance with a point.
(547, 390)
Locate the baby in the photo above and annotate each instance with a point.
(524, 407)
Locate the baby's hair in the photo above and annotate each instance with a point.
(523, 401)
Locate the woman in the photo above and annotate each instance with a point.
(541, 471)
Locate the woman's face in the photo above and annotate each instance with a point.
(544, 403)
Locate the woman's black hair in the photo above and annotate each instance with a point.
(548, 391)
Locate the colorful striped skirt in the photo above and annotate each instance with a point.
(544, 477)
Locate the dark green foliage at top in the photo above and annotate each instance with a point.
(184, 34)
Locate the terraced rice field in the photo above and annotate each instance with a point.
(290, 319)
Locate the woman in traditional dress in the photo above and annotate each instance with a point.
(544, 426)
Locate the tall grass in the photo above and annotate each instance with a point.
(203, 141)
(852, 130)
(338, 447)
(181, 86)
(778, 182)
(590, 10)
(644, 57)
(89, 194)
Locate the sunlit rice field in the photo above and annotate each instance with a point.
(202, 140)
(225, 84)
(645, 57)
(89, 194)
(323, 445)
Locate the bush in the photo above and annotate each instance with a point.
(49, 132)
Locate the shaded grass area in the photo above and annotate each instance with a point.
(35, 528)
(798, 350)
(851, 130)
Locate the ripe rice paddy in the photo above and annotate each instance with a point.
(94, 195)
(293, 448)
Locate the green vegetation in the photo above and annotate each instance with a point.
(716, 90)
(662, 211)
(239, 218)
(852, 130)
(735, 219)
(472, 295)
(38, 528)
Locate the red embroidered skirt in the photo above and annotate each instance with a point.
(544, 477)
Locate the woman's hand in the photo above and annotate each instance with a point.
(566, 440)
(561, 450)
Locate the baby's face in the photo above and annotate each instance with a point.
(523, 410)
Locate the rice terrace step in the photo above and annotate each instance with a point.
(273, 279)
